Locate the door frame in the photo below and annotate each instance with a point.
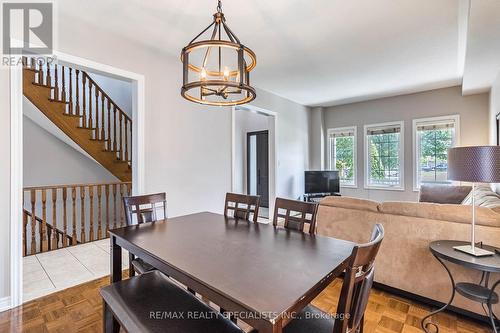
(273, 150)
(16, 153)
(249, 134)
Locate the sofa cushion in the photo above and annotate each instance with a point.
(442, 212)
(444, 194)
(484, 197)
(352, 203)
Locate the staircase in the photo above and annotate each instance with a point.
(83, 111)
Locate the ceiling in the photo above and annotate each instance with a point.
(327, 52)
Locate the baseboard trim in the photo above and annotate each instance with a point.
(5, 304)
(430, 302)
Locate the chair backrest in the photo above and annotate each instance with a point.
(242, 206)
(145, 208)
(358, 281)
(296, 214)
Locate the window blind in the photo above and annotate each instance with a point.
(343, 133)
(383, 130)
(435, 126)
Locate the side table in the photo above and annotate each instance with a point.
(481, 292)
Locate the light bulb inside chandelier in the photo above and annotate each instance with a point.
(216, 66)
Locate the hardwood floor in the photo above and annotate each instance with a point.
(78, 309)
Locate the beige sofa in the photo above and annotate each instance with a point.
(404, 261)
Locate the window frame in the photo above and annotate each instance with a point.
(456, 141)
(401, 186)
(355, 152)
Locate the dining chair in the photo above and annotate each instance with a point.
(296, 214)
(242, 206)
(151, 302)
(357, 283)
(143, 209)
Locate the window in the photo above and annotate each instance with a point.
(342, 154)
(432, 138)
(384, 156)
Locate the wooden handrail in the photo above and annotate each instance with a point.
(85, 212)
(49, 187)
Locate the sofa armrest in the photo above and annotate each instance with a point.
(444, 194)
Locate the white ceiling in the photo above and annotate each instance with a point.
(322, 52)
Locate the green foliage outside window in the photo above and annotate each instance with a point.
(344, 158)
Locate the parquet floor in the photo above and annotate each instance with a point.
(78, 309)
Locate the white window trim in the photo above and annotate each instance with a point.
(401, 187)
(355, 150)
(455, 118)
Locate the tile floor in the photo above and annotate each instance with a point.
(48, 272)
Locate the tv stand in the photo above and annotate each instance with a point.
(316, 197)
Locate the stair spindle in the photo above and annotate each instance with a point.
(56, 88)
(71, 106)
(65, 218)
(115, 216)
(43, 230)
(77, 87)
(114, 128)
(55, 242)
(25, 227)
(84, 102)
(97, 131)
(106, 188)
(126, 141)
(91, 231)
(103, 134)
(91, 117)
(33, 222)
(48, 78)
(63, 75)
(122, 210)
(40, 72)
(108, 146)
(99, 213)
(120, 115)
(82, 214)
(73, 204)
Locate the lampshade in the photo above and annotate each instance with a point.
(476, 164)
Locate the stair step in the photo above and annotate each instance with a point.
(42, 85)
(88, 128)
(102, 140)
(58, 101)
(73, 115)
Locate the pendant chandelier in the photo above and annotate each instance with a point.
(216, 71)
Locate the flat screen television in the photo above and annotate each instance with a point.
(322, 182)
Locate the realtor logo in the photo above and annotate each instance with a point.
(27, 28)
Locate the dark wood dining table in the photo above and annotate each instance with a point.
(262, 274)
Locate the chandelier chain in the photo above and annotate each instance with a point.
(219, 6)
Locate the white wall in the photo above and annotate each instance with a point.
(292, 135)
(4, 182)
(187, 146)
(473, 111)
(245, 121)
(49, 161)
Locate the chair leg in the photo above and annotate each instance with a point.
(110, 324)
(131, 270)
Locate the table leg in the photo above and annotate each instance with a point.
(115, 261)
(110, 324)
(131, 270)
(425, 326)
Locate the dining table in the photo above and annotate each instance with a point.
(262, 274)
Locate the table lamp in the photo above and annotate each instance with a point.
(475, 164)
